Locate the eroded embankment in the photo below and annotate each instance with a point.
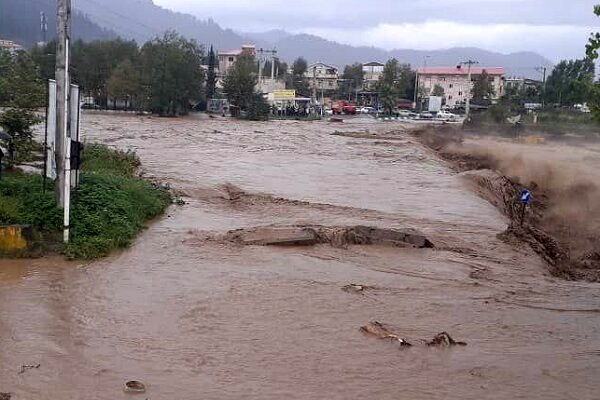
(561, 224)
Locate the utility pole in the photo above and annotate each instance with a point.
(314, 91)
(63, 142)
(543, 70)
(469, 63)
(44, 27)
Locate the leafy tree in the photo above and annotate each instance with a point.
(240, 82)
(396, 82)
(172, 74)
(18, 123)
(353, 77)
(258, 108)
(44, 57)
(211, 77)
(93, 64)
(20, 82)
(21, 92)
(570, 82)
(437, 91)
(299, 82)
(592, 53)
(483, 90)
(125, 84)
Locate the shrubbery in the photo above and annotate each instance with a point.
(108, 210)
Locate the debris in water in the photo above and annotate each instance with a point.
(378, 330)
(354, 288)
(26, 367)
(134, 387)
(5, 396)
(444, 340)
(334, 236)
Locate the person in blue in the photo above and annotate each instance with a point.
(525, 198)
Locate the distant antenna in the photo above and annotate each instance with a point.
(44, 26)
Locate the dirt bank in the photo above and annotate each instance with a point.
(561, 224)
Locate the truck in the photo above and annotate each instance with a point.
(344, 107)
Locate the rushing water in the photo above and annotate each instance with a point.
(195, 319)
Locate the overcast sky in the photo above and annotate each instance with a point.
(555, 28)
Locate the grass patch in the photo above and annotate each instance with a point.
(109, 209)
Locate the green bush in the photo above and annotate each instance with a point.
(108, 209)
(99, 158)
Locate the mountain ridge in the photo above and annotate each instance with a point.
(143, 20)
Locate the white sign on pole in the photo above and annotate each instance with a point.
(51, 132)
(73, 129)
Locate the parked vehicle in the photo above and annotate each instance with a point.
(446, 116)
(349, 108)
(426, 115)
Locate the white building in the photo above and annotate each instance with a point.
(228, 58)
(322, 76)
(371, 73)
(454, 81)
(10, 46)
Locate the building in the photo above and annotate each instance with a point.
(322, 76)
(521, 83)
(10, 46)
(228, 58)
(454, 81)
(371, 73)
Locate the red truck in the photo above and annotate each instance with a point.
(344, 107)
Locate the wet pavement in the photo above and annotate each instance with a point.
(194, 318)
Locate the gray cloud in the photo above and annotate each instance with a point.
(556, 28)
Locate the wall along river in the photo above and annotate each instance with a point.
(201, 319)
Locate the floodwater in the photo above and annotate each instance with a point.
(197, 319)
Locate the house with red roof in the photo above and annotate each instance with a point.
(455, 81)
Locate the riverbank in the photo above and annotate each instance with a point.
(108, 209)
(563, 220)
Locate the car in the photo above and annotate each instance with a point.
(446, 116)
(426, 115)
(328, 111)
(366, 110)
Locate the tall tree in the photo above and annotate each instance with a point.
(21, 92)
(172, 74)
(570, 82)
(240, 82)
(353, 78)
(299, 82)
(483, 90)
(592, 53)
(396, 82)
(93, 63)
(211, 77)
(125, 84)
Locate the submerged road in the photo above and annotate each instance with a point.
(199, 319)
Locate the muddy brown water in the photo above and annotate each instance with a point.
(195, 319)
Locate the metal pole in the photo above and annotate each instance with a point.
(314, 91)
(544, 89)
(63, 29)
(468, 94)
(468, 103)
